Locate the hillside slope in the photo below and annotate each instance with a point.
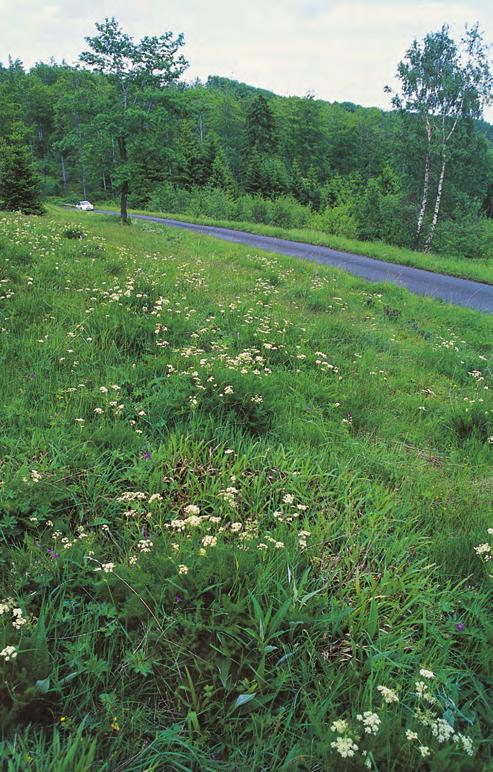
(240, 503)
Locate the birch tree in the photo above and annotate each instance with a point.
(441, 84)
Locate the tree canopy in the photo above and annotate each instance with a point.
(123, 123)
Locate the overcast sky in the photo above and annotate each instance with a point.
(344, 50)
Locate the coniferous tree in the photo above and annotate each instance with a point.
(221, 176)
(192, 169)
(254, 178)
(19, 181)
(260, 127)
(370, 212)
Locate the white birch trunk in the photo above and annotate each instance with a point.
(64, 172)
(437, 206)
(424, 201)
(426, 185)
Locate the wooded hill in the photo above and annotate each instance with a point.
(227, 150)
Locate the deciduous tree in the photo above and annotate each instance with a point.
(442, 83)
(135, 69)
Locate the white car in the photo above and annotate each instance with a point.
(85, 206)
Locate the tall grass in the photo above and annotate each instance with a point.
(240, 495)
(317, 231)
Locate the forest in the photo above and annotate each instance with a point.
(230, 151)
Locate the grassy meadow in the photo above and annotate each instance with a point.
(244, 510)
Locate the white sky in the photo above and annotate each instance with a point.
(344, 50)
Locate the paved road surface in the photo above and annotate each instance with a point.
(461, 292)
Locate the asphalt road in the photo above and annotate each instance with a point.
(461, 292)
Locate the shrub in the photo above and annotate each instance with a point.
(74, 232)
(289, 213)
(341, 221)
(470, 237)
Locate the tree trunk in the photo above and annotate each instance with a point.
(426, 183)
(201, 129)
(123, 202)
(64, 172)
(424, 200)
(437, 206)
(122, 147)
(84, 181)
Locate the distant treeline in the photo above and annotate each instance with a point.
(228, 150)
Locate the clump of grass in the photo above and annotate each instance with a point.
(240, 503)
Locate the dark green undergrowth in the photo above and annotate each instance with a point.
(239, 505)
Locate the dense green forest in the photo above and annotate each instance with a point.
(228, 150)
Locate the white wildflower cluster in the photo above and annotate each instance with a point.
(276, 543)
(193, 520)
(371, 721)
(6, 605)
(442, 730)
(323, 363)
(345, 747)
(192, 509)
(484, 551)
(423, 692)
(465, 742)
(17, 618)
(106, 568)
(8, 653)
(302, 539)
(436, 727)
(344, 744)
(144, 545)
(133, 496)
(64, 541)
(229, 495)
(340, 726)
(389, 696)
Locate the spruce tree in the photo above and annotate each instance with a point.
(19, 182)
(221, 176)
(260, 126)
(254, 178)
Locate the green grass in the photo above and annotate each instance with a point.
(465, 268)
(284, 471)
